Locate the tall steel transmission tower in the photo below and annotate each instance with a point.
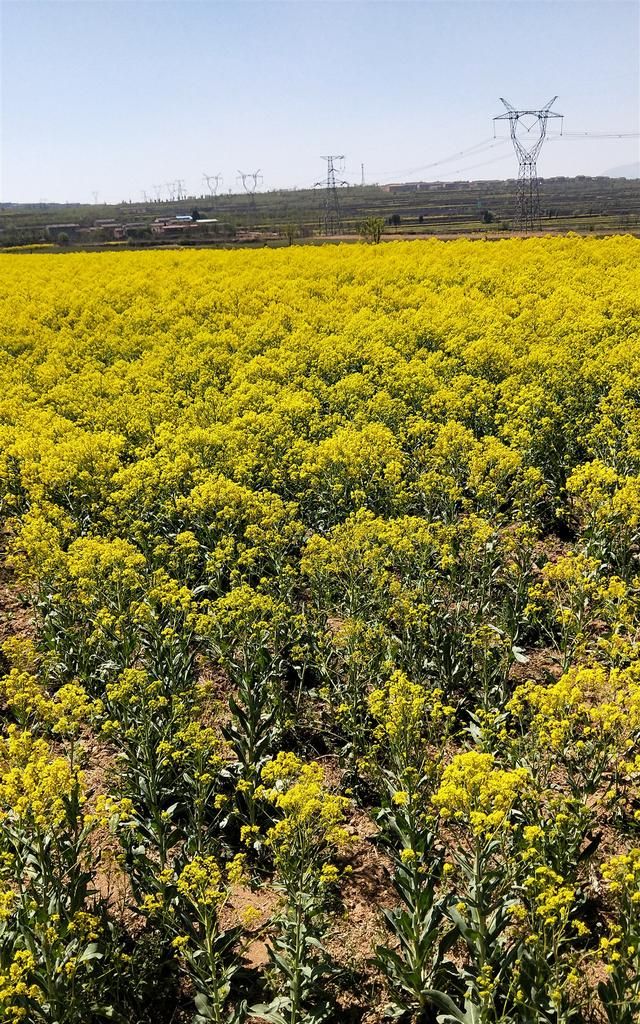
(528, 131)
(332, 219)
(217, 180)
(250, 184)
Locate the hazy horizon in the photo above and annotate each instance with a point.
(107, 100)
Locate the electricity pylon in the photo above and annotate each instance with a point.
(332, 219)
(528, 130)
(250, 184)
(217, 180)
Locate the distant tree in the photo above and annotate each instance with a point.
(63, 238)
(290, 232)
(195, 213)
(395, 219)
(487, 217)
(371, 229)
(421, 219)
(141, 232)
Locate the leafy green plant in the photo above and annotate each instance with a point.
(308, 830)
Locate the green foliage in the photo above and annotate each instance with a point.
(371, 229)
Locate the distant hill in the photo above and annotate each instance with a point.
(626, 171)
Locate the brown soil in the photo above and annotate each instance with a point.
(253, 909)
(541, 665)
(16, 616)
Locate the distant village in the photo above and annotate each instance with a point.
(189, 225)
(110, 230)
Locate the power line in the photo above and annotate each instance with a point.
(488, 144)
(595, 135)
(483, 163)
(550, 137)
(478, 146)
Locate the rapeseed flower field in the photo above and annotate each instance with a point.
(320, 684)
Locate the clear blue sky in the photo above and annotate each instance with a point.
(115, 97)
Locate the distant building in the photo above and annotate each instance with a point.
(172, 226)
(407, 186)
(55, 230)
(420, 186)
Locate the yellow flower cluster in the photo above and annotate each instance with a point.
(33, 781)
(622, 873)
(311, 815)
(409, 716)
(200, 881)
(15, 988)
(587, 705)
(401, 707)
(134, 688)
(474, 790)
(63, 713)
(552, 898)
(620, 947)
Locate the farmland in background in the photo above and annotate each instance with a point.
(603, 205)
